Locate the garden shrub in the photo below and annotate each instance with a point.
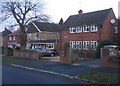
(100, 45)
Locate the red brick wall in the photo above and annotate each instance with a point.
(5, 41)
(65, 57)
(107, 31)
(17, 40)
(26, 54)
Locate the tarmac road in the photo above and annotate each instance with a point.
(16, 75)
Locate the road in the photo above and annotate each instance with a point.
(16, 75)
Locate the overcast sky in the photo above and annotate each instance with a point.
(58, 9)
(65, 8)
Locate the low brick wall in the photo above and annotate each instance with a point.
(107, 61)
(27, 54)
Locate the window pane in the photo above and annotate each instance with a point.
(93, 28)
(94, 45)
(79, 45)
(116, 30)
(86, 45)
(85, 28)
(78, 29)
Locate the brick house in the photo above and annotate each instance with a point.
(85, 30)
(14, 39)
(41, 34)
(4, 37)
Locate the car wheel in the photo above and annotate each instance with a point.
(52, 54)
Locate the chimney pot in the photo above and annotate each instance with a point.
(80, 11)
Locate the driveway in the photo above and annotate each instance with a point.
(95, 63)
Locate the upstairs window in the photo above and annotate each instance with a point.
(10, 38)
(78, 29)
(94, 28)
(29, 36)
(116, 30)
(79, 45)
(94, 45)
(36, 35)
(86, 28)
(13, 37)
(86, 45)
(72, 30)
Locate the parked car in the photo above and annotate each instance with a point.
(45, 52)
(113, 49)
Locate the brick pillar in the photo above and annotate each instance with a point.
(106, 61)
(104, 56)
(64, 57)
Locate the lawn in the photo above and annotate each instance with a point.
(100, 77)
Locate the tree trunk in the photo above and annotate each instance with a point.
(23, 37)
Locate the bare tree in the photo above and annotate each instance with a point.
(23, 13)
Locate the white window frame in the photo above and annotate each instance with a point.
(35, 35)
(29, 36)
(116, 29)
(72, 44)
(79, 45)
(50, 44)
(72, 29)
(94, 28)
(94, 45)
(13, 37)
(10, 38)
(78, 29)
(85, 28)
(85, 45)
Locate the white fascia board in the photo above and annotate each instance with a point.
(36, 27)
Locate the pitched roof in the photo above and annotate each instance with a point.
(43, 26)
(5, 32)
(16, 33)
(96, 17)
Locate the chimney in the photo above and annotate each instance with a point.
(80, 11)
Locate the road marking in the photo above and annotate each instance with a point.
(54, 73)
(44, 71)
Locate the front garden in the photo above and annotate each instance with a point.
(100, 77)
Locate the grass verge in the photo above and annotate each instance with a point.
(100, 77)
(9, 60)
